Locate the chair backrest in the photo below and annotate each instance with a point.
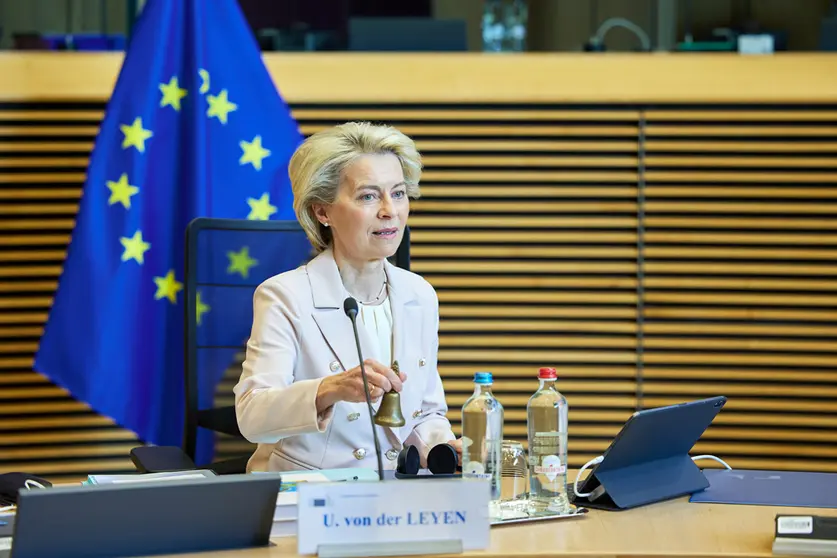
(226, 259)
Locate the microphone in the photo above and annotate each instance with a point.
(350, 308)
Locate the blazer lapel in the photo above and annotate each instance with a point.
(405, 313)
(328, 295)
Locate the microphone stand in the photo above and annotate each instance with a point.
(350, 308)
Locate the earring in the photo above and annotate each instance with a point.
(325, 224)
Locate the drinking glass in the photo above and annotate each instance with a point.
(514, 475)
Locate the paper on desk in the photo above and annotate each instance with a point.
(303, 476)
(148, 477)
(288, 497)
(290, 482)
(141, 478)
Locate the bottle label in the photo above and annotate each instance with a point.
(475, 470)
(550, 466)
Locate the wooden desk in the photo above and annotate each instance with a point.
(674, 528)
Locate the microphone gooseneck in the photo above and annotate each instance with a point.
(350, 308)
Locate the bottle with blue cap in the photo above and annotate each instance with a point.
(482, 437)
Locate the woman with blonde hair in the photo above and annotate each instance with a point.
(301, 394)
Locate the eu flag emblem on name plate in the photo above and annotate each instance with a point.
(195, 127)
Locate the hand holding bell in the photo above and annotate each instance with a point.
(389, 413)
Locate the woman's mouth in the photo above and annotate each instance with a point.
(386, 233)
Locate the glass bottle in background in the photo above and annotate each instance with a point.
(482, 437)
(493, 26)
(504, 24)
(516, 21)
(546, 415)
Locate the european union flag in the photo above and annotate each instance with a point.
(195, 127)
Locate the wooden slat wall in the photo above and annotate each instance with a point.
(651, 253)
(740, 245)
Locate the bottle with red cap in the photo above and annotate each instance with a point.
(546, 415)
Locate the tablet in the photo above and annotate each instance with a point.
(649, 460)
(140, 519)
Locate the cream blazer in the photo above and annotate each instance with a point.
(301, 335)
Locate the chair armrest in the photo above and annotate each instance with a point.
(159, 459)
(220, 419)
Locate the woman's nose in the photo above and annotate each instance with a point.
(386, 207)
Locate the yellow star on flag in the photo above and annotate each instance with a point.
(135, 247)
(253, 152)
(241, 262)
(201, 308)
(135, 135)
(204, 81)
(220, 106)
(260, 209)
(121, 191)
(172, 94)
(167, 287)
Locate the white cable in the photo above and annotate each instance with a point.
(627, 24)
(594, 461)
(599, 459)
(718, 459)
(28, 484)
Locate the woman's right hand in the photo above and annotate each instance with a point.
(348, 385)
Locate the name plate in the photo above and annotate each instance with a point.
(393, 517)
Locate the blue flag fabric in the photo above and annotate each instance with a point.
(194, 127)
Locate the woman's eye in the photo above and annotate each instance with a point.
(367, 197)
(399, 194)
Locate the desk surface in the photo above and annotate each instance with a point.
(674, 528)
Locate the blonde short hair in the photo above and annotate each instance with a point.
(316, 168)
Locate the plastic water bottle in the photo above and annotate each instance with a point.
(546, 415)
(482, 437)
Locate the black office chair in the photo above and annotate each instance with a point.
(219, 313)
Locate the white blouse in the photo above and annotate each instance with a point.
(377, 320)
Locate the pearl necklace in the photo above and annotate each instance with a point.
(377, 298)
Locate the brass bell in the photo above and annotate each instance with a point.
(389, 413)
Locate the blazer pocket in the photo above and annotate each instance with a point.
(282, 456)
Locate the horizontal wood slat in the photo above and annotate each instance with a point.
(532, 226)
(34, 162)
(471, 144)
(35, 115)
(398, 116)
(502, 130)
(767, 161)
(487, 191)
(553, 160)
(656, 115)
(726, 129)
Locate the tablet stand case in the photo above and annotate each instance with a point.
(649, 460)
(644, 483)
